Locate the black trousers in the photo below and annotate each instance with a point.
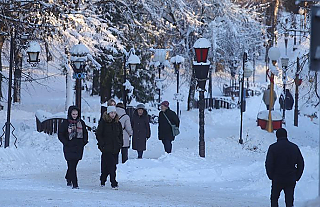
(72, 172)
(140, 153)
(167, 145)
(109, 163)
(124, 154)
(288, 189)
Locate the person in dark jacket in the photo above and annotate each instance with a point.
(284, 166)
(141, 129)
(165, 133)
(289, 100)
(110, 141)
(74, 136)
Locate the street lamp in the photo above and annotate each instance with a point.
(131, 60)
(78, 59)
(201, 67)
(176, 61)
(159, 58)
(33, 52)
(284, 64)
(246, 73)
(274, 55)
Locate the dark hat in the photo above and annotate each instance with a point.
(141, 106)
(165, 103)
(281, 133)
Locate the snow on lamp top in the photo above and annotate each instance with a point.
(274, 53)
(79, 50)
(160, 55)
(177, 59)
(133, 59)
(34, 47)
(202, 43)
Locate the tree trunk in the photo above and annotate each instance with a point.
(95, 83)
(105, 85)
(1, 46)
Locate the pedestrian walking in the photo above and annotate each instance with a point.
(289, 100)
(110, 141)
(167, 117)
(110, 102)
(266, 98)
(127, 130)
(73, 135)
(284, 166)
(141, 129)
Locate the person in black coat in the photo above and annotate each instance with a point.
(284, 166)
(289, 100)
(110, 141)
(165, 133)
(74, 136)
(141, 129)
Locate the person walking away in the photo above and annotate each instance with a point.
(165, 133)
(266, 98)
(127, 130)
(73, 134)
(284, 166)
(141, 129)
(110, 140)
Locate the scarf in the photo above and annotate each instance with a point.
(75, 129)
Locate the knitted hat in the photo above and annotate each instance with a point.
(141, 106)
(111, 109)
(281, 133)
(165, 103)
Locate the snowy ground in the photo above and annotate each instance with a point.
(230, 175)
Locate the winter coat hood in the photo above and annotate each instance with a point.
(120, 111)
(107, 118)
(70, 109)
(145, 113)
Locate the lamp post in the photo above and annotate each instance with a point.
(131, 60)
(78, 59)
(201, 67)
(274, 55)
(33, 53)
(245, 73)
(159, 59)
(176, 61)
(284, 63)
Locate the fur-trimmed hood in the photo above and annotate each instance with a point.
(107, 118)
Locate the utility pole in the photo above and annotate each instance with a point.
(297, 83)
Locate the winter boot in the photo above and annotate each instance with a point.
(69, 183)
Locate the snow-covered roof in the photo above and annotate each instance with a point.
(34, 47)
(202, 43)
(177, 59)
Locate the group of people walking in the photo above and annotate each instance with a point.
(114, 133)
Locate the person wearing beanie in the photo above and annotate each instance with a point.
(165, 133)
(110, 141)
(127, 130)
(141, 129)
(284, 166)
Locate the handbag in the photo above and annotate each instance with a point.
(175, 129)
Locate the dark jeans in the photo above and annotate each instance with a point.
(109, 163)
(71, 174)
(167, 145)
(124, 154)
(140, 153)
(268, 107)
(288, 192)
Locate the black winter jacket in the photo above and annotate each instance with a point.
(284, 162)
(164, 128)
(109, 134)
(72, 149)
(141, 130)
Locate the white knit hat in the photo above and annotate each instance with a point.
(111, 109)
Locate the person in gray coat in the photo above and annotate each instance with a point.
(127, 130)
(266, 98)
(141, 129)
